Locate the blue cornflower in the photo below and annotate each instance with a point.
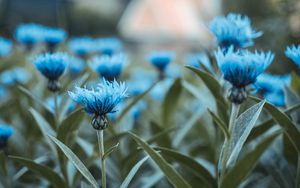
(82, 46)
(53, 36)
(233, 29)
(15, 76)
(161, 59)
(108, 46)
(52, 66)
(5, 47)
(293, 52)
(5, 132)
(109, 67)
(29, 34)
(101, 101)
(241, 68)
(76, 65)
(198, 60)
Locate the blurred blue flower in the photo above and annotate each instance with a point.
(101, 101)
(109, 67)
(81, 46)
(14, 76)
(140, 80)
(277, 99)
(160, 89)
(50, 102)
(29, 34)
(5, 133)
(198, 60)
(137, 109)
(76, 65)
(108, 46)
(241, 68)
(3, 92)
(52, 66)
(5, 47)
(233, 29)
(293, 52)
(53, 36)
(161, 59)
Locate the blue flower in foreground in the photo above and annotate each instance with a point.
(161, 59)
(29, 34)
(100, 101)
(52, 66)
(293, 52)
(241, 68)
(76, 65)
(233, 29)
(108, 46)
(5, 133)
(81, 46)
(5, 47)
(53, 36)
(198, 60)
(15, 76)
(109, 67)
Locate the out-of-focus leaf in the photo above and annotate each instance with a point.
(220, 123)
(3, 163)
(157, 130)
(133, 102)
(190, 163)
(241, 130)
(110, 150)
(284, 121)
(212, 84)
(172, 175)
(170, 102)
(42, 170)
(132, 172)
(44, 127)
(76, 161)
(295, 83)
(244, 166)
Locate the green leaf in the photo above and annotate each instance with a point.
(110, 150)
(133, 102)
(220, 123)
(172, 175)
(244, 166)
(44, 126)
(42, 170)
(284, 121)
(156, 130)
(190, 163)
(170, 101)
(241, 130)
(212, 84)
(76, 161)
(132, 172)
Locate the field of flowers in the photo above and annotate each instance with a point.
(84, 112)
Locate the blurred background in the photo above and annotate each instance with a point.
(180, 25)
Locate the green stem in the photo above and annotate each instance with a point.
(225, 155)
(101, 152)
(56, 109)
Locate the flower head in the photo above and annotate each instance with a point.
(53, 65)
(5, 132)
(53, 36)
(161, 59)
(233, 29)
(29, 34)
(15, 76)
(5, 47)
(108, 46)
(81, 46)
(109, 67)
(293, 52)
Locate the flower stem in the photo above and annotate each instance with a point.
(101, 152)
(224, 153)
(56, 108)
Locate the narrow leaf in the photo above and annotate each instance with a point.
(132, 172)
(76, 161)
(110, 150)
(172, 175)
(220, 123)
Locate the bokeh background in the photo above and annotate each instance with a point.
(172, 24)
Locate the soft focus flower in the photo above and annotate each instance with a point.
(76, 65)
(3, 92)
(161, 59)
(108, 46)
(160, 89)
(5, 132)
(100, 101)
(198, 60)
(109, 67)
(241, 68)
(5, 47)
(272, 87)
(233, 29)
(81, 46)
(293, 52)
(50, 102)
(15, 76)
(53, 36)
(29, 34)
